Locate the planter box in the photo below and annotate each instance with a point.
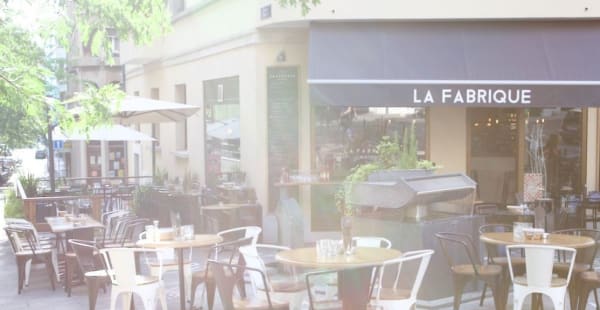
(395, 175)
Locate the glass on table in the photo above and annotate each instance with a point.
(328, 248)
(518, 227)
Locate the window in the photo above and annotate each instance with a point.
(154, 94)
(181, 141)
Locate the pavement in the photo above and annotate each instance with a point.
(39, 294)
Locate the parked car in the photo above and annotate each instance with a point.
(40, 154)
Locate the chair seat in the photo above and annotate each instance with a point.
(327, 305)
(389, 293)
(143, 280)
(556, 282)
(258, 304)
(282, 286)
(37, 252)
(96, 274)
(563, 268)
(503, 260)
(590, 277)
(483, 270)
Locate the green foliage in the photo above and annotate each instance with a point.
(160, 176)
(387, 153)
(139, 196)
(408, 157)
(29, 67)
(305, 5)
(13, 206)
(30, 184)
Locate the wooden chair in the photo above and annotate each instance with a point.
(91, 267)
(226, 278)
(497, 255)
(462, 271)
(584, 262)
(216, 253)
(31, 252)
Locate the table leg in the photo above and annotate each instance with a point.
(354, 287)
(181, 279)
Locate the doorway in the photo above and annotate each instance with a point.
(493, 153)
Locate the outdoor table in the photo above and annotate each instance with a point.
(61, 225)
(354, 271)
(198, 242)
(507, 238)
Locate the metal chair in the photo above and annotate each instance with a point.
(538, 279)
(373, 242)
(91, 267)
(463, 271)
(393, 297)
(31, 252)
(226, 277)
(584, 262)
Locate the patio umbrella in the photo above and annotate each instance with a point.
(134, 110)
(111, 133)
(224, 130)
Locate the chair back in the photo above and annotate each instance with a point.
(241, 232)
(86, 253)
(454, 243)
(539, 262)
(423, 256)
(588, 254)
(253, 260)
(120, 264)
(372, 242)
(16, 235)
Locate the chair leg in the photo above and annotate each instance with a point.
(482, 295)
(193, 288)
(596, 299)
(50, 270)
(68, 275)
(27, 272)
(93, 287)
(162, 295)
(459, 286)
(584, 291)
(495, 285)
(21, 263)
(127, 300)
(573, 289)
(211, 288)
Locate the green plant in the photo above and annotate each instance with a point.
(388, 152)
(30, 184)
(13, 206)
(408, 154)
(160, 176)
(139, 195)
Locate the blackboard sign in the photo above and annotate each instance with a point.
(282, 113)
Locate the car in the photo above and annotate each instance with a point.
(40, 154)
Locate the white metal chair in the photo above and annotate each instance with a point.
(394, 297)
(170, 263)
(539, 262)
(241, 232)
(372, 242)
(120, 265)
(289, 288)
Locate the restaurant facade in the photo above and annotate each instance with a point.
(494, 92)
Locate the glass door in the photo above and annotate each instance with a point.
(493, 153)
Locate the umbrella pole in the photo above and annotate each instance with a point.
(153, 159)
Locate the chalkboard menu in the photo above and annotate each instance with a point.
(282, 113)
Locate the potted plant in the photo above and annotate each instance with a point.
(30, 184)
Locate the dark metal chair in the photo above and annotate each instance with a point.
(31, 251)
(584, 261)
(91, 267)
(463, 271)
(227, 276)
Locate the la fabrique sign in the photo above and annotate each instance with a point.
(475, 96)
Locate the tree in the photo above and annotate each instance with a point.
(305, 5)
(31, 31)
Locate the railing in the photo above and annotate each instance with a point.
(30, 205)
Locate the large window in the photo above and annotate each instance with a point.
(553, 148)
(346, 137)
(222, 136)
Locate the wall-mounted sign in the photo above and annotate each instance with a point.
(265, 12)
(476, 96)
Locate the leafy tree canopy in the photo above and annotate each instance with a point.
(32, 33)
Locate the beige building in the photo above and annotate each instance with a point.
(275, 89)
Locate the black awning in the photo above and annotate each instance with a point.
(493, 63)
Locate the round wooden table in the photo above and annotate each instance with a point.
(198, 242)
(506, 238)
(354, 271)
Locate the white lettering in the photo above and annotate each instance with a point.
(526, 96)
(446, 94)
(471, 95)
(480, 95)
(499, 96)
(415, 96)
(458, 98)
(428, 97)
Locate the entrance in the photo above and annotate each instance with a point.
(493, 153)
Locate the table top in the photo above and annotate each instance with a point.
(571, 241)
(225, 206)
(59, 224)
(362, 257)
(198, 241)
